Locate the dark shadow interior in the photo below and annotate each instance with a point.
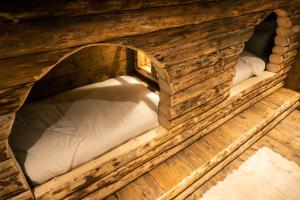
(262, 41)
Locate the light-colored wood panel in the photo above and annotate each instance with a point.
(284, 139)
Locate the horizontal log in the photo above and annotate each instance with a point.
(11, 186)
(11, 99)
(6, 122)
(199, 124)
(7, 169)
(32, 10)
(283, 50)
(277, 67)
(23, 196)
(197, 112)
(212, 101)
(29, 68)
(286, 41)
(186, 96)
(177, 70)
(188, 80)
(189, 50)
(167, 113)
(18, 12)
(71, 32)
(278, 59)
(195, 116)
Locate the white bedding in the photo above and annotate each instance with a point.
(247, 66)
(53, 136)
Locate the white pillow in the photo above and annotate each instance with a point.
(242, 71)
(257, 64)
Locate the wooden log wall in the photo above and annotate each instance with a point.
(89, 65)
(193, 44)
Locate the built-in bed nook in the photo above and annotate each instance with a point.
(91, 117)
(252, 62)
(66, 130)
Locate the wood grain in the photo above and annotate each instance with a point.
(218, 144)
(71, 32)
(283, 139)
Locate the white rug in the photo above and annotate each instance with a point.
(266, 175)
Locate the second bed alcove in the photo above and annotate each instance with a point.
(251, 68)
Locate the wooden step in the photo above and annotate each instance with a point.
(283, 139)
(181, 174)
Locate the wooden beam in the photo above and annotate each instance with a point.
(180, 69)
(195, 77)
(28, 68)
(10, 186)
(190, 118)
(32, 10)
(188, 98)
(279, 59)
(71, 32)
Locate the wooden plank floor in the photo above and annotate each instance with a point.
(283, 139)
(185, 167)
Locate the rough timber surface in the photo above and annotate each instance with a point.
(107, 169)
(180, 171)
(284, 139)
(190, 42)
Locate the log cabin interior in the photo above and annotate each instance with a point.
(151, 100)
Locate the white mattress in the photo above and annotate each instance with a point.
(53, 136)
(248, 65)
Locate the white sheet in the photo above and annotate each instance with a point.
(53, 136)
(242, 72)
(256, 64)
(247, 66)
